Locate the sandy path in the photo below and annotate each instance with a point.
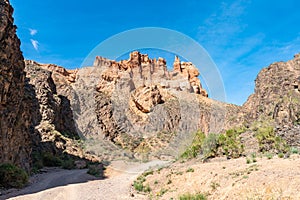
(76, 184)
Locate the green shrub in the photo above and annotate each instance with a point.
(190, 170)
(37, 162)
(269, 155)
(268, 141)
(230, 143)
(51, 160)
(41, 159)
(194, 149)
(162, 192)
(139, 184)
(69, 163)
(210, 145)
(12, 176)
(147, 188)
(193, 197)
(95, 170)
(248, 160)
(294, 150)
(253, 156)
(147, 173)
(280, 155)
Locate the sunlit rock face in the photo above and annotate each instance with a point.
(277, 99)
(136, 103)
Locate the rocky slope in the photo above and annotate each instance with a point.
(53, 128)
(15, 143)
(137, 103)
(277, 99)
(273, 106)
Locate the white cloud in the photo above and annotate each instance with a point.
(33, 31)
(35, 44)
(222, 27)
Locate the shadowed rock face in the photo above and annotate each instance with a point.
(15, 144)
(33, 117)
(53, 126)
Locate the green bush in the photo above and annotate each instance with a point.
(147, 188)
(41, 159)
(12, 176)
(139, 184)
(248, 160)
(37, 162)
(294, 150)
(210, 145)
(95, 170)
(280, 155)
(194, 149)
(50, 160)
(269, 155)
(190, 170)
(253, 155)
(193, 197)
(230, 143)
(69, 163)
(147, 173)
(268, 141)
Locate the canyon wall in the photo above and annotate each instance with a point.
(15, 142)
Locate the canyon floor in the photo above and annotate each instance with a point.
(77, 184)
(275, 178)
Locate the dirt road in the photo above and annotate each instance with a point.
(76, 184)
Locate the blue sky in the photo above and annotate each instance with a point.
(241, 36)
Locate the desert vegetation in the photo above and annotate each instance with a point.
(12, 176)
(212, 145)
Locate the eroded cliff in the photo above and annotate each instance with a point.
(276, 99)
(15, 142)
(138, 104)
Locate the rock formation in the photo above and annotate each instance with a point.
(70, 75)
(129, 102)
(277, 98)
(33, 117)
(277, 92)
(146, 71)
(136, 103)
(15, 144)
(53, 126)
(191, 73)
